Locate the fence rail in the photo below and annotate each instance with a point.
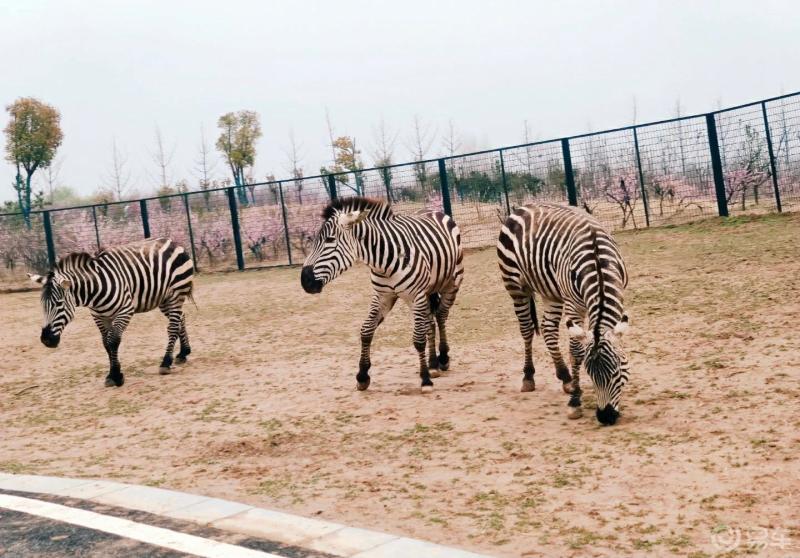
(740, 159)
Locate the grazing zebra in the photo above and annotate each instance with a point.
(568, 259)
(416, 258)
(115, 284)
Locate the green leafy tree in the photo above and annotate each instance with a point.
(347, 159)
(239, 132)
(33, 135)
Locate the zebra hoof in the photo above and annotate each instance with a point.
(444, 366)
(434, 373)
(574, 413)
(164, 370)
(111, 382)
(567, 387)
(528, 385)
(180, 360)
(361, 386)
(426, 389)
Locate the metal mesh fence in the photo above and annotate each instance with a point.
(22, 249)
(676, 170)
(743, 159)
(783, 116)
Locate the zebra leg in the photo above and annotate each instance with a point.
(550, 324)
(433, 360)
(448, 298)
(174, 314)
(379, 308)
(577, 351)
(186, 350)
(526, 315)
(111, 341)
(422, 323)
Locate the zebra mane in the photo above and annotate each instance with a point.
(75, 260)
(356, 203)
(601, 297)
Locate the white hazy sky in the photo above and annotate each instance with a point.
(118, 69)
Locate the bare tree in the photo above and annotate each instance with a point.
(383, 155)
(678, 110)
(205, 164)
(419, 144)
(451, 141)
(119, 177)
(49, 177)
(163, 159)
(635, 110)
(294, 165)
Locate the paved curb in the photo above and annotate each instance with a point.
(313, 534)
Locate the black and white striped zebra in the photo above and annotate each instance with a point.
(115, 284)
(568, 259)
(417, 258)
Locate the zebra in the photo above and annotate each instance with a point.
(568, 259)
(417, 258)
(115, 284)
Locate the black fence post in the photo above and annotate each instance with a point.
(505, 186)
(641, 177)
(145, 219)
(191, 232)
(716, 165)
(772, 167)
(48, 238)
(96, 230)
(285, 224)
(448, 209)
(237, 236)
(569, 175)
(332, 186)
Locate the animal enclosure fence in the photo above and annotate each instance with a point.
(731, 161)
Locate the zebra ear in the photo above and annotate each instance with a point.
(576, 331)
(352, 218)
(39, 279)
(622, 327)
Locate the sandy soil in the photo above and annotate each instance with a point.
(267, 412)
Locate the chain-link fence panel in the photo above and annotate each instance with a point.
(118, 223)
(535, 173)
(23, 248)
(477, 197)
(743, 151)
(676, 166)
(783, 116)
(607, 179)
(212, 232)
(74, 231)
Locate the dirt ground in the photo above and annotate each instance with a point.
(266, 411)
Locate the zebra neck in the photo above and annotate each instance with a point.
(375, 245)
(84, 286)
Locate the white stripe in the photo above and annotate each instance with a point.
(157, 536)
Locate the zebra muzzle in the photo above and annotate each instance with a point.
(49, 339)
(309, 282)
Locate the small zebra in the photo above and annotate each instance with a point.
(568, 259)
(417, 258)
(115, 284)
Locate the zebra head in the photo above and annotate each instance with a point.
(607, 366)
(58, 305)
(334, 249)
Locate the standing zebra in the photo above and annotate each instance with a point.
(568, 259)
(115, 284)
(417, 258)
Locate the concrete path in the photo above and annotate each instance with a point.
(51, 516)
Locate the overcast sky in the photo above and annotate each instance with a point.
(118, 69)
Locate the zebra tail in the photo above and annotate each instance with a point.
(434, 299)
(534, 317)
